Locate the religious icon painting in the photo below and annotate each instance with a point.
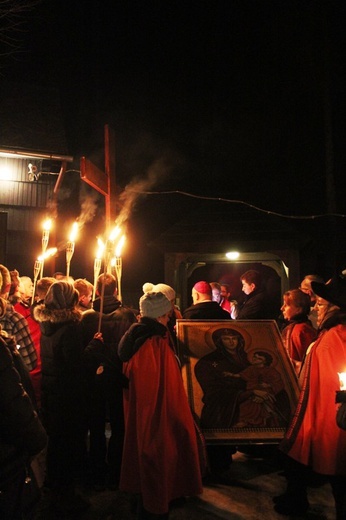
(239, 380)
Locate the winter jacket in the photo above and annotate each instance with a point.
(256, 307)
(62, 376)
(115, 321)
(16, 325)
(26, 310)
(206, 311)
(21, 433)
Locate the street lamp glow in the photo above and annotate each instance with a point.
(232, 255)
(5, 173)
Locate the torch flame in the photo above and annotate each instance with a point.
(47, 224)
(100, 249)
(50, 252)
(114, 233)
(74, 232)
(342, 377)
(119, 246)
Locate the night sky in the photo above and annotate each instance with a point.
(235, 99)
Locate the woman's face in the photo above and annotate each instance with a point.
(230, 342)
(322, 307)
(289, 309)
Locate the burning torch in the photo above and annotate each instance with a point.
(45, 239)
(119, 264)
(70, 247)
(109, 249)
(97, 264)
(38, 267)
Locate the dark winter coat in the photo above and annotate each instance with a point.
(62, 377)
(256, 307)
(21, 433)
(206, 311)
(21, 367)
(115, 321)
(137, 334)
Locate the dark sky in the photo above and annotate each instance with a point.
(234, 95)
(236, 99)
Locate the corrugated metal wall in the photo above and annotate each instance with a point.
(23, 204)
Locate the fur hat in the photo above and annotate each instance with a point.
(61, 295)
(334, 291)
(203, 287)
(167, 290)
(154, 305)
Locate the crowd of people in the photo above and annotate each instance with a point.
(73, 365)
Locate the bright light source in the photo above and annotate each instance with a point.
(232, 255)
(5, 173)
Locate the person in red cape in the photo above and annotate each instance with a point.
(298, 333)
(313, 440)
(160, 458)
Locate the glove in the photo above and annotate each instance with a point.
(341, 416)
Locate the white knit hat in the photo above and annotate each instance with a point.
(167, 290)
(154, 305)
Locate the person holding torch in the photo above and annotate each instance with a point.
(103, 372)
(314, 442)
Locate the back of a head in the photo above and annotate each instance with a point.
(61, 295)
(306, 283)
(165, 289)
(59, 275)
(43, 285)
(154, 304)
(26, 286)
(110, 284)
(6, 281)
(252, 276)
(15, 282)
(203, 289)
(83, 286)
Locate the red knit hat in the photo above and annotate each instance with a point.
(203, 287)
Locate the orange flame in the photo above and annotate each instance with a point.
(74, 232)
(119, 246)
(47, 224)
(50, 252)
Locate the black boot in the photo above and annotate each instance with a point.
(294, 501)
(143, 514)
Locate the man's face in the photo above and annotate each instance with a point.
(85, 300)
(224, 293)
(247, 288)
(216, 295)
